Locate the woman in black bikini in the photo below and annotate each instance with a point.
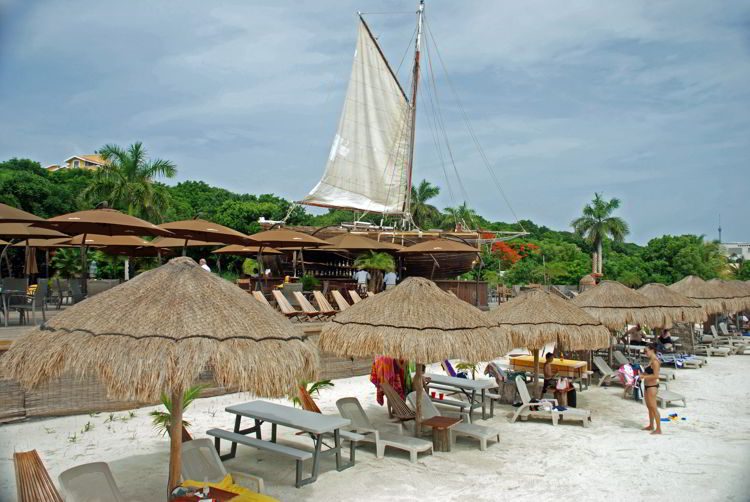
(650, 388)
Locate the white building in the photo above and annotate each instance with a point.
(736, 250)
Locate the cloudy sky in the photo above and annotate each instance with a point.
(644, 100)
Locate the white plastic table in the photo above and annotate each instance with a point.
(469, 387)
(315, 424)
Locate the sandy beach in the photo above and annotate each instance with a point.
(702, 458)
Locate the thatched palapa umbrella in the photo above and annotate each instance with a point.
(157, 332)
(711, 298)
(616, 305)
(415, 321)
(678, 308)
(738, 296)
(537, 318)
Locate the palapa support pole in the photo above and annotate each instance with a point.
(184, 248)
(126, 271)
(419, 389)
(175, 439)
(158, 254)
(536, 370)
(46, 263)
(84, 272)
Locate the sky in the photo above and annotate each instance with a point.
(644, 100)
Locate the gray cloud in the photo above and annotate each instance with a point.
(646, 101)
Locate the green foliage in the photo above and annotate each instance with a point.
(425, 216)
(464, 366)
(250, 267)
(742, 272)
(375, 261)
(309, 282)
(163, 419)
(127, 181)
(67, 262)
(597, 223)
(108, 266)
(312, 388)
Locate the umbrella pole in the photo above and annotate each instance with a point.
(158, 254)
(127, 269)
(84, 273)
(175, 437)
(184, 248)
(536, 371)
(302, 260)
(46, 263)
(7, 260)
(419, 389)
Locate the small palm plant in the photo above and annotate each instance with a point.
(311, 388)
(463, 366)
(377, 264)
(163, 419)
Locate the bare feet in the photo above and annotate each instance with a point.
(657, 431)
(648, 428)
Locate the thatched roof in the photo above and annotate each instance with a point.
(678, 307)
(711, 298)
(157, 331)
(739, 297)
(416, 320)
(616, 305)
(537, 317)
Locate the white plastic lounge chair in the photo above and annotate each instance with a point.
(200, 461)
(666, 396)
(464, 428)
(350, 408)
(545, 409)
(608, 375)
(708, 347)
(340, 301)
(726, 339)
(734, 334)
(664, 373)
(90, 482)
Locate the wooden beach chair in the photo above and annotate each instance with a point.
(397, 407)
(286, 307)
(201, 462)
(545, 409)
(33, 483)
(258, 295)
(307, 307)
(349, 407)
(92, 481)
(370, 294)
(479, 432)
(323, 305)
(354, 296)
(340, 301)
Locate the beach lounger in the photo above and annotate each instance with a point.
(323, 305)
(545, 409)
(33, 483)
(734, 334)
(737, 344)
(665, 396)
(340, 301)
(708, 347)
(354, 296)
(664, 373)
(201, 462)
(607, 374)
(307, 307)
(479, 432)
(370, 294)
(397, 407)
(350, 408)
(286, 307)
(261, 298)
(87, 482)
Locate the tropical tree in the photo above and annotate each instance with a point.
(597, 223)
(377, 264)
(424, 214)
(462, 215)
(126, 181)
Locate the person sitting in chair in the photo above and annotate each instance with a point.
(664, 342)
(636, 335)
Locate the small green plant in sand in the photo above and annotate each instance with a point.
(87, 427)
(131, 414)
(49, 430)
(111, 418)
(312, 388)
(72, 438)
(162, 419)
(462, 366)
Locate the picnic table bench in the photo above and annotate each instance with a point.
(33, 483)
(468, 387)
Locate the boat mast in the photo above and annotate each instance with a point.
(414, 87)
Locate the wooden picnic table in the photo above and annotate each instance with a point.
(469, 387)
(561, 367)
(315, 424)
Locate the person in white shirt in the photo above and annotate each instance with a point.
(204, 265)
(362, 276)
(390, 280)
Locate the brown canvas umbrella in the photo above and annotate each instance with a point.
(26, 233)
(281, 237)
(679, 308)
(30, 266)
(121, 245)
(711, 298)
(3, 243)
(101, 222)
(157, 332)
(177, 242)
(10, 214)
(415, 321)
(537, 318)
(354, 242)
(239, 250)
(206, 231)
(58, 242)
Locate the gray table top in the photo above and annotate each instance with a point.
(287, 416)
(462, 383)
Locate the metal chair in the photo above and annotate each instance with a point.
(30, 303)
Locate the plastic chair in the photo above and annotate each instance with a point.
(90, 483)
(200, 461)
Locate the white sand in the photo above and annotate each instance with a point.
(703, 458)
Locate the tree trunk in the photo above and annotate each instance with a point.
(175, 438)
(127, 269)
(419, 389)
(599, 256)
(594, 261)
(534, 383)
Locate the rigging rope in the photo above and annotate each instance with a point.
(469, 127)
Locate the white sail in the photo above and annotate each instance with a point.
(367, 168)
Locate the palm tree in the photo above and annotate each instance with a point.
(422, 213)
(462, 216)
(126, 181)
(597, 223)
(377, 264)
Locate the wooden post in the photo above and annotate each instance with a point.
(84, 272)
(419, 390)
(175, 437)
(536, 370)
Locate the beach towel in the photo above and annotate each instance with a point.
(227, 484)
(384, 369)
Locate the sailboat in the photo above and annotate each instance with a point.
(370, 163)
